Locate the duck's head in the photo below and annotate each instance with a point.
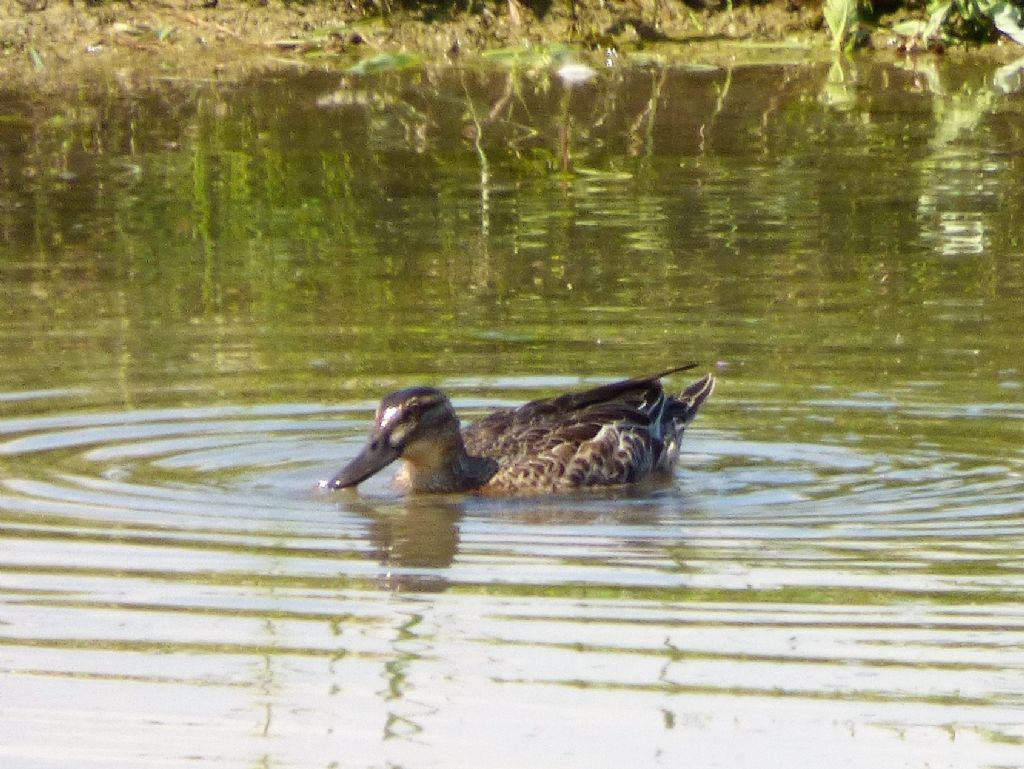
(417, 424)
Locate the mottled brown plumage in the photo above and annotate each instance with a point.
(614, 434)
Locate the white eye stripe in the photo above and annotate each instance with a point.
(389, 414)
(398, 435)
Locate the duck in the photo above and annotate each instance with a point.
(615, 434)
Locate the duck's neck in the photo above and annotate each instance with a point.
(442, 466)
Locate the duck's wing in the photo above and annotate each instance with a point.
(638, 392)
(603, 444)
(489, 435)
(606, 435)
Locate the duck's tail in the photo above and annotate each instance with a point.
(684, 407)
(678, 412)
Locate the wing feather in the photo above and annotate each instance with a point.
(611, 434)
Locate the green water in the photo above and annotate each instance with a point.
(206, 287)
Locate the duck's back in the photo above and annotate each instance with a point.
(614, 434)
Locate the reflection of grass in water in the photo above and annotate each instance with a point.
(799, 595)
(992, 735)
(266, 212)
(678, 654)
(775, 692)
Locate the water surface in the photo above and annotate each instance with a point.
(206, 288)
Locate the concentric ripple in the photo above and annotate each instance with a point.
(176, 576)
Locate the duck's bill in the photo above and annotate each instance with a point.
(374, 457)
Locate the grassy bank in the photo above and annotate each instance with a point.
(59, 43)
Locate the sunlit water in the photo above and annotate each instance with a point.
(196, 327)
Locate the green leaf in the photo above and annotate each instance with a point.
(910, 28)
(1007, 18)
(841, 16)
(936, 19)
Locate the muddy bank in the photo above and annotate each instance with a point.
(50, 45)
(57, 42)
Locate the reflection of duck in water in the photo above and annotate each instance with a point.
(414, 540)
(614, 434)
